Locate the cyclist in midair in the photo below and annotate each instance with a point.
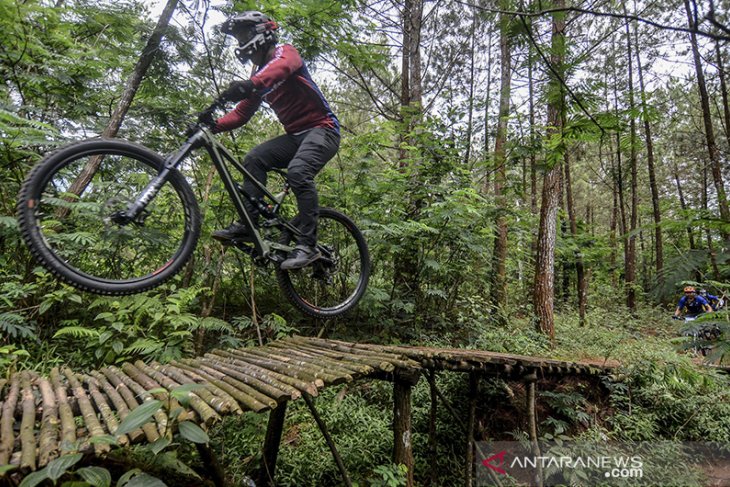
(312, 131)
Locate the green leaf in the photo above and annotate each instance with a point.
(176, 412)
(168, 462)
(138, 417)
(160, 444)
(193, 432)
(61, 465)
(144, 480)
(35, 478)
(96, 476)
(103, 440)
(45, 306)
(127, 475)
(6, 468)
(182, 393)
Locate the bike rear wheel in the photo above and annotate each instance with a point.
(335, 283)
(66, 208)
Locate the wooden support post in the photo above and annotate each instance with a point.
(432, 446)
(459, 420)
(402, 447)
(271, 445)
(328, 439)
(211, 464)
(473, 386)
(531, 380)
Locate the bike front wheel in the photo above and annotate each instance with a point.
(67, 208)
(333, 284)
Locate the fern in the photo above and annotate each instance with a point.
(16, 326)
(77, 332)
(212, 324)
(144, 346)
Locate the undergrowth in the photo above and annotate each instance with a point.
(655, 392)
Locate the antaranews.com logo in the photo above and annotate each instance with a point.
(571, 463)
(612, 466)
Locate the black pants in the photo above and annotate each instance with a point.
(303, 156)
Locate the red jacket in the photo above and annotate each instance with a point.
(285, 84)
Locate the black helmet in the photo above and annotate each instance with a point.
(253, 30)
(703, 292)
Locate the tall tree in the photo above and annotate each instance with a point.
(712, 148)
(723, 90)
(406, 269)
(133, 82)
(499, 262)
(472, 82)
(683, 205)
(581, 286)
(544, 290)
(656, 208)
(630, 264)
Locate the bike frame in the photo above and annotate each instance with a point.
(221, 158)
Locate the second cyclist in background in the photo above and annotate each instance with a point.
(691, 304)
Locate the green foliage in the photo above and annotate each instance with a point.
(62, 467)
(9, 357)
(389, 476)
(157, 325)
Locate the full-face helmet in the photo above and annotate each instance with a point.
(254, 32)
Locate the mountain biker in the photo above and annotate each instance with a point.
(312, 131)
(715, 301)
(694, 304)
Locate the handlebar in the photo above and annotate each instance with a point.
(204, 118)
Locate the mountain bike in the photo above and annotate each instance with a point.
(701, 334)
(113, 217)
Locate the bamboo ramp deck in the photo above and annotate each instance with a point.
(43, 417)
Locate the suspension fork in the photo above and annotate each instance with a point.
(135, 209)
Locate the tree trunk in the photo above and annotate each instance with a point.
(712, 148)
(533, 141)
(613, 224)
(619, 177)
(499, 266)
(133, 82)
(579, 269)
(470, 114)
(723, 91)
(544, 291)
(406, 268)
(658, 238)
(630, 264)
(487, 104)
(710, 246)
(683, 205)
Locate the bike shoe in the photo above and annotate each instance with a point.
(301, 256)
(236, 232)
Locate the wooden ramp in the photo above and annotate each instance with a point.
(44, 417)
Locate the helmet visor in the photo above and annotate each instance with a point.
(244, 34)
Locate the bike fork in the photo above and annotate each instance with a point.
(135, 209)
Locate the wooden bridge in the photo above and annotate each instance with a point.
(68, 412)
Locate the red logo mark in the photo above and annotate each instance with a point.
(500, 461)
